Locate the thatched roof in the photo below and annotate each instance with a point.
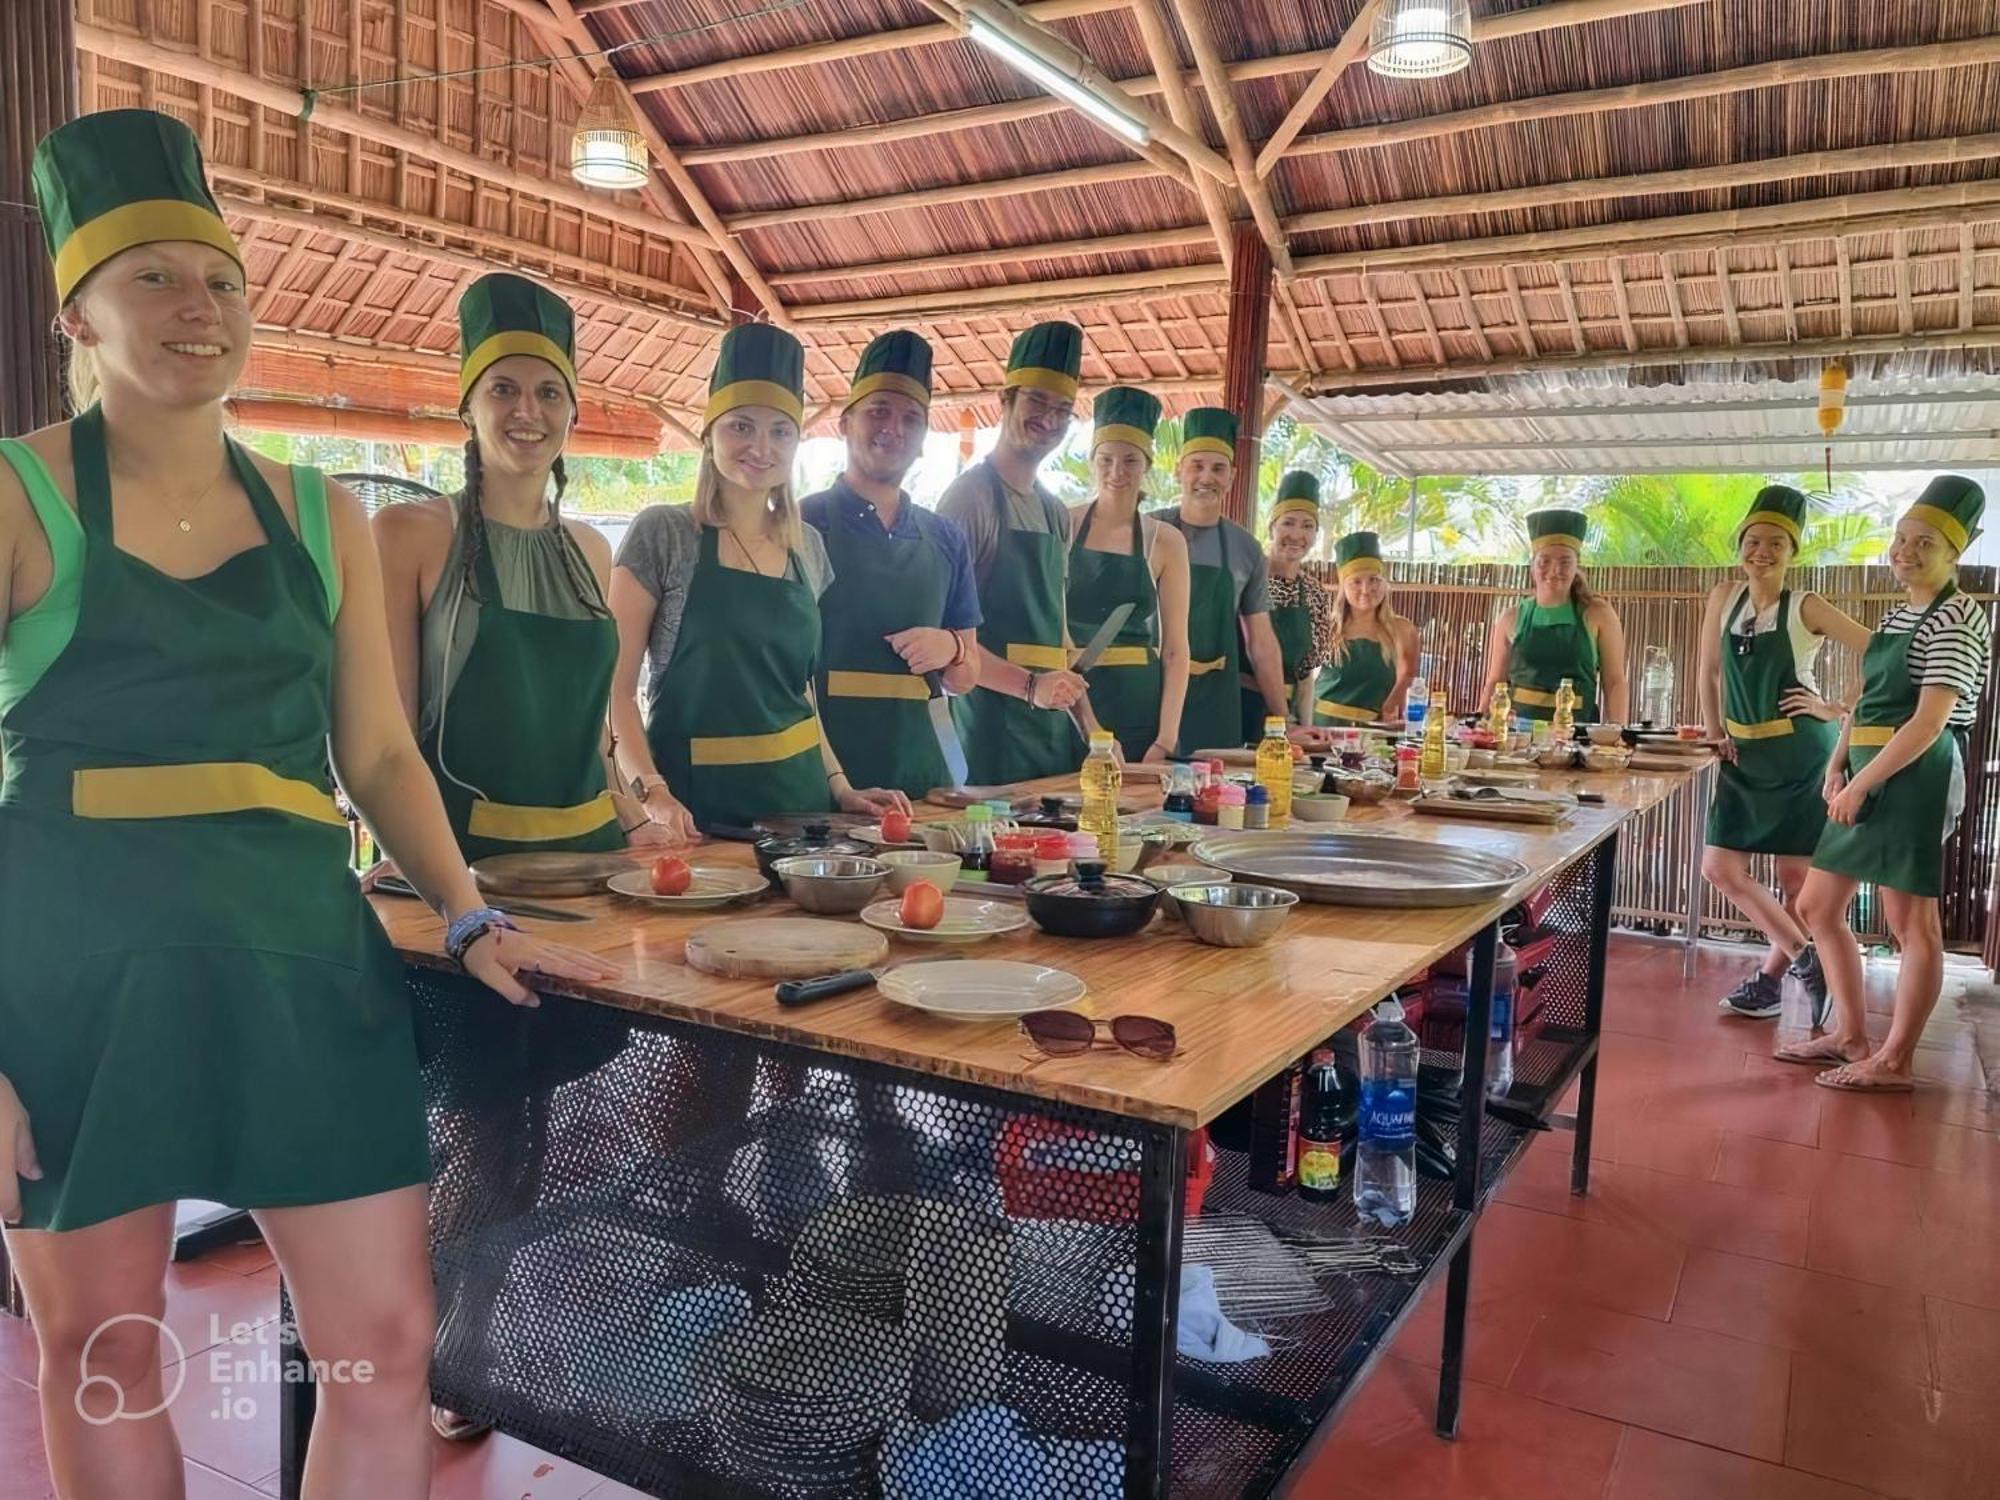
(1612, 186)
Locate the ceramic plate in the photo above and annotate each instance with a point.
(966, 920)
(982, 988)
(712, 886)
(871, 833)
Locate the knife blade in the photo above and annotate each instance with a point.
(945, 728)
(1113, 622)
(395, 885)
(792, 993)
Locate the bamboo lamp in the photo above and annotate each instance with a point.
(1421, 38)
(606, 150)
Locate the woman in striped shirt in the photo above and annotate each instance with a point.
(1895, 787)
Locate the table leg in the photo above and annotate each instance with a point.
(1465, 1190)
(297, 1401)
(1603, 877)
(1701, 793)
(1451, 1370)
(1155, 1310)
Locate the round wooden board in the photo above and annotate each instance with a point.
(568, 874)
(783, 948)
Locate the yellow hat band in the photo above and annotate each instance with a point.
(752, 393)
(1208, 445)
(887, 380)
(1952, 528)
(1558, 539)
(1055, 382)
(1118, 432)
(514, 341)
(1358, 565)
(1296, 503)
(147, 222)
(1775, 518)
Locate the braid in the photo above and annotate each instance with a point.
(473, 518)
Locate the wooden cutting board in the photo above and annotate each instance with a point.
(783, 948)
(548, 874)
(1493, 810)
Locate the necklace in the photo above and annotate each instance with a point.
(184, 513)
(748, 556)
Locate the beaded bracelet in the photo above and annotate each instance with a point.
(469, 928)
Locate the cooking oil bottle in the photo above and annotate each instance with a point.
(1432, 765)
(1564, 727)
(1274, 770)
(1500, 713)
(1101, 780)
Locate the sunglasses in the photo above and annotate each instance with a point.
(1743, 645)
(1064, 1033)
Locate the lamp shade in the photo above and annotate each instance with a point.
(1420, 38)
(605, 151)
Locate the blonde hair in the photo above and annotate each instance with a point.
(81, 377)
(781, 515)
(1338, 611)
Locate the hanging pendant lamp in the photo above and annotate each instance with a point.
(1832, 410)
(1420, 38)
(606, 151)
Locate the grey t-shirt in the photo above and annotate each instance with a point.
(968, 500)
(661, 551)
(1247, 563)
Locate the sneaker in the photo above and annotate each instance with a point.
(1757, 998)
(1807, 971)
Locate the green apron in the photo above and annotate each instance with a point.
(1549, 645)
(1293, 626)
(199, 1001)
(876, 713)
(1768, 801)
(1213, 717)
(524, 726)
(1125, 683)
(1007, 739)
(731, 727)
(1357, 687)
(1899, 842)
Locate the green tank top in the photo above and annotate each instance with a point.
(39, 634)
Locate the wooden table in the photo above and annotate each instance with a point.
(694, 1071)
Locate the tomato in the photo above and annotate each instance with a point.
(671, 875)
(896, 826)
(922, 906)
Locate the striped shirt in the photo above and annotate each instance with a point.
(1950, 650)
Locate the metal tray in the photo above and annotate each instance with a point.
(1364, 869)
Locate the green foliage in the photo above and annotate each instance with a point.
(1688, 520)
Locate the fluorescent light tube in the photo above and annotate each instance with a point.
(1056, 81)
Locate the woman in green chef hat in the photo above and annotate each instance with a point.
(1560, 631)
(1298, 603)
(719, 600)
(504, 645)
(1371, 650)
(200, 1003)
(1119, 557)
(1760, 702)
(1895, 788)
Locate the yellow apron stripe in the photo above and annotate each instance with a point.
(1123, 656)
(1203, 668)
(150, 221)
(755, 749)
(1534, 697)
(876, 685)
(1346, 711)
(194, 791)
(514, 341)
(1873, 736)
(535, 825)
(1770, 729)
(1039, 658)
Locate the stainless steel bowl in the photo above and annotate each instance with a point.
(833, 885)
(1232, 916)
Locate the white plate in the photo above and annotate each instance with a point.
(978, 989)
(711, 887)
(871, 833)
(966, 920)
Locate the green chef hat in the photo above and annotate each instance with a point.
(1209, 429)
(1125, 414)
(1557, 528)
(505, 314)
(1048, 357)
(1781, 506)
(1358, 552)
(758, 365)
(125, 177)
(1953, 505)
(898, 361)
(1298, 490)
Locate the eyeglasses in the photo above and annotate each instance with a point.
(1064, 1033)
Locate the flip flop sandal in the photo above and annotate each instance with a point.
(1865, 1083)
(1813, 1055)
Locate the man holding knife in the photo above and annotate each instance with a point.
(898, 618)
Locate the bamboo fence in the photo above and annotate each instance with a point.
(1454, 605)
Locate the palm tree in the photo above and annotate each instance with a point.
(1687, 520)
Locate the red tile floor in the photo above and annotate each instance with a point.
(1773, 1292)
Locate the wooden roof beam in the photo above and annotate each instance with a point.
(1243, 163)
(1165, 57)
(957, 192)
(1338, 59)
(1003, 255)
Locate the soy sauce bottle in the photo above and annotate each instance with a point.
(1326, 1126)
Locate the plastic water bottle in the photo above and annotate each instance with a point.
(1500, 1037)
(1100, 781)
(1417, 705)
(1385, 1161)
(1656, 689)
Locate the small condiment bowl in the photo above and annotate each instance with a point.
(1166, 877)
(1319, 807)
(908, 866)
(833, 885)
(1612, 735)
(1232, 916)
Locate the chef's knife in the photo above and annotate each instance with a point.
(1113, 623)
(796, 992)
(395, 885)
(945, 729)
